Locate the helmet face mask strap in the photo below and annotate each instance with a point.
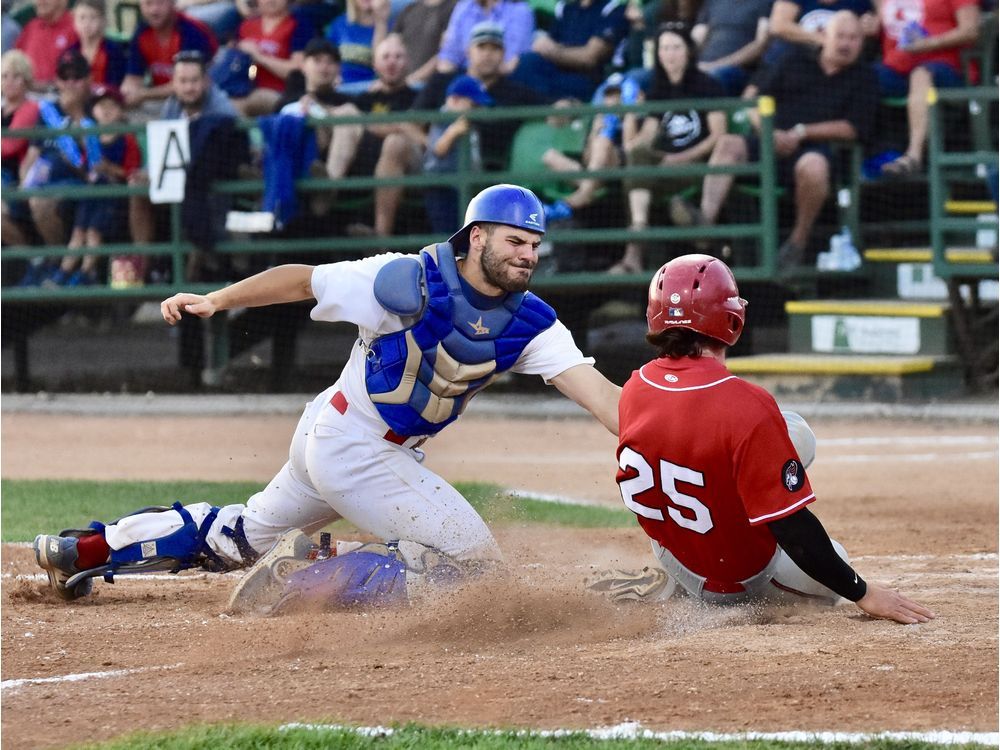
(697, 292)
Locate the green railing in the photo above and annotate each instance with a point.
(944, 165)
(466, 182)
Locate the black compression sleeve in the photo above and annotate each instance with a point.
(803, 538)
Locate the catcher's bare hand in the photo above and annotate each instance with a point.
(194, 304)
(891, 605)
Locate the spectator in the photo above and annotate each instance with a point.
(45, 37)
(357, 32)
(443, 143)
(98, 220)
(223, 17)
(64, 159)
(731, 36)
(514, 18)
(274, 40)
(921, 42)
(193, 95)
(569, 61)
(11, 29)
(107, 57)
(804, 21)
(421, 26)
(820, 98)
(673, 137)
(162, 33)
(18, 111)
(603, 150)
(485, 54)
(385, 150)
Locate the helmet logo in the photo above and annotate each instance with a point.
(478, 328)
(671, 378)
(533, 219)
(675, 312)
(675, 298)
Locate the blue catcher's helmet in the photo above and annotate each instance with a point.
(501, 204)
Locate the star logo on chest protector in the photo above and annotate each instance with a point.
(478, 328)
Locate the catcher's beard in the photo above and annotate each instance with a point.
(497, 271)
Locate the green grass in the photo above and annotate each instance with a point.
(30, 507)
(426, 738)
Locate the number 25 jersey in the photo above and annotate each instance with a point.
(705, 462)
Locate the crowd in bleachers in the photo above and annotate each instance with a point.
(827, 63)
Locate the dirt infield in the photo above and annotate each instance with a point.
(914, 502)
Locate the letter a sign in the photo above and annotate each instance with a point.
(168, 153)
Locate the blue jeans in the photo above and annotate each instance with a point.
(894, 84)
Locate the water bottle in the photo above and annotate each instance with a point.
(847, 255)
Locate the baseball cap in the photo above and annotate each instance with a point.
(469, 87)
(487, 32)
(105, 91)
(320, 46)
(72, 65)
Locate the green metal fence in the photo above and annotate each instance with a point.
(763, 230)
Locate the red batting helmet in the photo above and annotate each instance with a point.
(696, 292)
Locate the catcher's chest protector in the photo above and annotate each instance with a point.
(421, 378)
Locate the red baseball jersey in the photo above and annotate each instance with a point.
(289, 36)
(705, 462)
(43, 42)
(148, 52)
(935, 16)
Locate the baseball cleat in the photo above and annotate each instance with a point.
(648, 584)
(57, 556)
(261, 585)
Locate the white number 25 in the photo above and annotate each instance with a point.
(670, 474)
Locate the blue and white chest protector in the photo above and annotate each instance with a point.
(421, 378)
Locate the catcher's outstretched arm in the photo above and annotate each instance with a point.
(591, 390)
(288, 283)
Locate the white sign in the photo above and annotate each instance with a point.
(918, 281)
(168, 151)
(865, 334)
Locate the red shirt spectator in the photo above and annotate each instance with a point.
(18, 111)
(153, 51)
(46, 36)
(932, 17)
(274, 38)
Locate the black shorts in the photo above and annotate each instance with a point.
(108, 216)
(785, 166)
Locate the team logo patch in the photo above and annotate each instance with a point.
(675, 298)
(671, 378)
(478, 328)
(675, 312)
(793, 475)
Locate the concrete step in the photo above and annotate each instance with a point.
(872, 377)
(850, 327)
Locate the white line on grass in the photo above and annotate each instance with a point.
(633, 730)
(14, 684)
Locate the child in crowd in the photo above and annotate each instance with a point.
(444, 149)
(100, 219)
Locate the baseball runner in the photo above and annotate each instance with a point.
(715, 473)
(434, 329)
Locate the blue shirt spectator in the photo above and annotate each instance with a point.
(569, 60)
(515, 17)
(357, 32)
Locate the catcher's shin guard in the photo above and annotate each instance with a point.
(182, 549)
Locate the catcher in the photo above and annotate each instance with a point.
(434, 329)
(715, 473)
